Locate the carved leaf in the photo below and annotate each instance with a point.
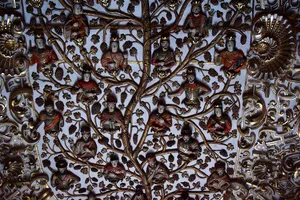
(224, 153)
(59, 73)
(214, 31)
(60, 105)
(103, 47)
(58, 30)
(39, 101)
(127, 45)
(228, 15)
(135, 138)
(179, 42)
(238, 21)
(169, 16)
(243, 39)
(96, 108)
(170, 143)
(77, 167)
(212, 72)
(123, 97)
(103, 141)
(176, 100)
(130, 8)
(72, 129)
(142, 158)
(214, 2)
(130, 164)
(207, 56)
(171, 158)
(163, 21)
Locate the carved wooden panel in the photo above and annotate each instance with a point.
(160, 99)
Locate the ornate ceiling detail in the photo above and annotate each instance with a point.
(195, 99)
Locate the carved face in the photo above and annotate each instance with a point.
(220, 171)
(196, 10)
(161, 109)
(49, 109)
(105, 3)
(164, 45)
(86, 137)
(77, 9)
(114, 47)
(186, 138)
(218, 111)
(62, 169)
(230, 45)
(111, 106)
(151, 161)
(40, 43)
(114, 163)
(86, 77)
(191, 78)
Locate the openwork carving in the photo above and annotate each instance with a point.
(195, 99)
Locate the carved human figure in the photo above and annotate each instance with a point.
(195, 22)
(232, 59)
(218, 181)
(85, 147)
(63, 179)
(111, 118)
(163, 58)
(160, 119)
(139, 195)
(76, 27)
(157, 172)
(114, 171)
(52, 119)
(114, 60)
(236, 191)
(188, 147)
(219, 123)
(87, 89)
(41, 54)
(194, 89)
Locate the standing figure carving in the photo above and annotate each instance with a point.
(87, 89)
(219, 180)
(160, 120)
(41, 54)
(163, 58)
(76, 27)
(85, 147)
(232, 59)
(112, 118)
(194, 23)
(188, 147)
(194, 89)
(114, 60)
(63, 179)
(218, 124)
(52, 118)
(114, 171)
(157, 172)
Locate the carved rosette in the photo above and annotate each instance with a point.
(273, 47)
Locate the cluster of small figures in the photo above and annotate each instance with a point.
(163, 58)
(157, 173)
